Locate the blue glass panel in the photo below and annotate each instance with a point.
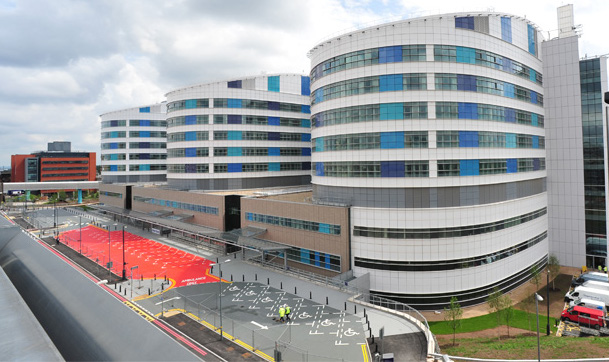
(536, 164)
(534, 120)
(305, 137)
(274, 151)
(507, 65)
(273, 106)
(190, 103)
(466, 55)
(233, 119)
(319, 144)
(531, 38)
(327, 264)
(469, 167)
(144, 123)
(535, 141)
(510, 115)
(113, 146)
(145, 134)
(234, 84)
(190, 136)
(304, 256)
(305, 123)
(274, 166)
(234, 151)
(113, 157)
(392, 140)
(235, 135)
(510, 140)
(113, 167)
(468, 139)
(506, 28)
(144, 167)
(305, 109)
(274, 136)
(305, 152)
(466, 82)
(508, 90)
(468, 110)
(305, 166)
(319, 169)
(392, 169)
(317, 258)
(144, 145)
(190, 120)
(391, 111)
(113, 123)
(533, 97)
(273, 84)
(391, 82)
(273, 121)
(233, 103)
(249, 216)
(390, 54)
(324, 228)
(305, 86)
(145, 110)
(234, 167)
(532, 75)
(464, 22)
(319, 95)
(144, 156)
(512, 165)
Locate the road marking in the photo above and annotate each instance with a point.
(167, 300)
(259, 325)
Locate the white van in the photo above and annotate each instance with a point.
(596, 285)
(589, 303)
(583, 292)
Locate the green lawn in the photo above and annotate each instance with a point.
(520, 320)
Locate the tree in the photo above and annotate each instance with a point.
(61, 196)
(528, 305)
(494, 304)
(554, 268)
(507, 308)
(453, 314)
(535, 277)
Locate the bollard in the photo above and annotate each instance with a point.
(367, 319)
(365, 315)
(221, 274)
(354, 308)
(231, 277)
(217, 261)
(268, 281)
(281, 285)
(372, 337)
(119, 289)
(243, 277)
(235, 256)
(154, 276)
(326, 300)
(345, 306)
(295, 291)
(114, 285)
(256, 277)
(162, 286)
(125, 291)
(148, 291)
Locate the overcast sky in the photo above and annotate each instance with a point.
(65, 62)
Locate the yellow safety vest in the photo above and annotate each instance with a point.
(281, 312)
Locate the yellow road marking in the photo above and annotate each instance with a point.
(146, 316)
(365, 352)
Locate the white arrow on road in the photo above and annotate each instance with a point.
(260, 325)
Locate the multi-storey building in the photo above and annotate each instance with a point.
(243, 133)
(133, 145)
(432, 129)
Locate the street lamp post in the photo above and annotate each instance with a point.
(548, 301)
(220, 294)
(133, 267)
(538, 299)
(124, 264)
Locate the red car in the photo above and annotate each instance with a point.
(583, 316)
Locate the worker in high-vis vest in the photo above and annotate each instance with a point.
(281, 314)
(287, 312)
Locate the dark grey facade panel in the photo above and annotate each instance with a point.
(426, 197)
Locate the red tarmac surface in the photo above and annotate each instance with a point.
(151, 257)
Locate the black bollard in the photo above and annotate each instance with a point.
(125, 291)
(310, 295)
(162, 286)
(354, 308)
(268, 281)
(326, 300)
(154, 276)
(295, 291)
(119, 289)
(221, 274)
(231, 277)
(243, 277)
(281, 285)
(148, 291)
(114, 285)
(345, 306)
(256, 277)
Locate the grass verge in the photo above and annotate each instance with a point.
(520, 319)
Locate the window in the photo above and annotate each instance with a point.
(448, 168)
(490, 167)
(445, 81)
(415, 139)
(447, 139)
(416, 169)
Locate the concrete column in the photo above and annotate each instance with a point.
(79, 196)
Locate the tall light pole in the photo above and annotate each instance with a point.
(124, 264)
(548, 300)
(220, 294)
(538, 299)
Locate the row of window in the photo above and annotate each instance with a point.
(178, 205)
(111, 194)
(132, 145)
(294, 223)
(261, 136)
(63, 174)
(451, 53)
(314, 258)
(374, 84)
(133, 156)
(132, 134)
(238, 151)
(239, 167)
(448, 232)
(63, 168)
(367, 57)
(441, 265)
(418, 110)
(409, 168)
(238, 119)
(417, 53)
(419, 139)
(65, 162)
(237, 103)
(133, 123)
(418, 81)
(147, 167)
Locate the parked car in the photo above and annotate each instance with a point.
(588, 317)
(582, 292)
(599, 277)
(589, 303)
(596, 285)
